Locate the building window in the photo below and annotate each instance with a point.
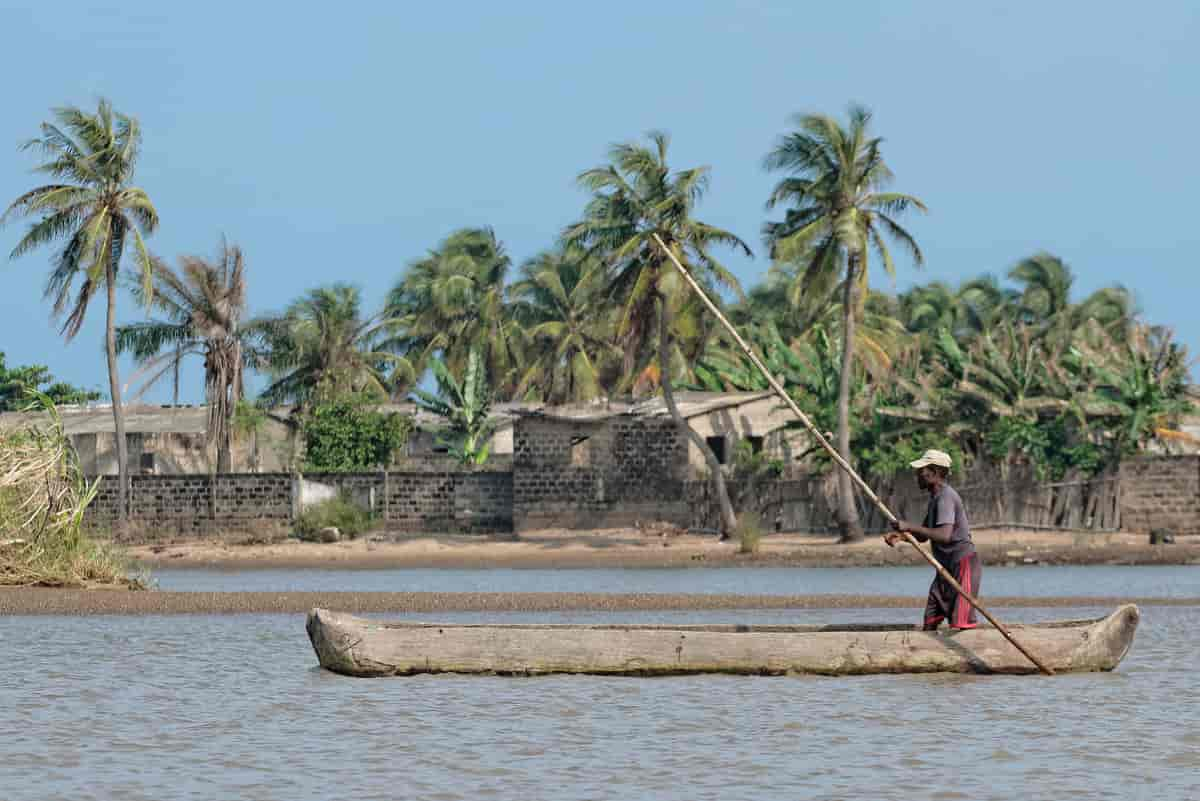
(756, 444)
(718, 447)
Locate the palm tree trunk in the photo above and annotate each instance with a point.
(225, 448)
(847, 514)
(175, 379)
(114, 385)
(728, 518)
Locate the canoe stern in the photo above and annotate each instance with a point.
(1109, 640)
(334, 638)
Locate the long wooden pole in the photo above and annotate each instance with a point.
(837, 457)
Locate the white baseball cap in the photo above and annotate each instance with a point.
(940, 458)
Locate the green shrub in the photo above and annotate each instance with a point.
(350, 434)
(340, 512)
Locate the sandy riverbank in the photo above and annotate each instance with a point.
(36, 601)
(635, 548)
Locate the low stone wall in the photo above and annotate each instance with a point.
(264, 504)
(451, 500)
(197, 505)
(1161, 492)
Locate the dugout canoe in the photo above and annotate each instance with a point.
(358, 647)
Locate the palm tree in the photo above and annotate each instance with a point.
(201, 309)
(932, 307)
(879, 334)
(559, 302)
(1112, 308)
(837, 214)
(1136, 385)
(323, 348)
(769, 302)
(95, 210)
(452, 302)
(724, 368)
(984, 303)
(1046, 287)
(636, 197)
(1045, 300)
(1012, 372)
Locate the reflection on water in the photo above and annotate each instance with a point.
(192, 706)
(1175, 581)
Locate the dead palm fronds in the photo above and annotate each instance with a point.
(43, 494)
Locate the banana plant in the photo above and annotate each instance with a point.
(465, 406)
(1008, 372)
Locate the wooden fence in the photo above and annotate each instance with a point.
(1015, 498)
(1012, 498)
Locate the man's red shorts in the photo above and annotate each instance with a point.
(944, 601)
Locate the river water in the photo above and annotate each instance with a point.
(234, 706)
(1166, 581)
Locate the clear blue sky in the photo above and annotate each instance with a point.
(339, 142)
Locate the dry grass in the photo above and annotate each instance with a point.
(749, 532)
(43, 494)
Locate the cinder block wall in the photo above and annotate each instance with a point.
(196, 505)
(468, 501)
(597, 474)
(1161, 492)
(445, 499)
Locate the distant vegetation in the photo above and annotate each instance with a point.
(1010, 369)
(17, 382)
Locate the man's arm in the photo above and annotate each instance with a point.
(939, 534)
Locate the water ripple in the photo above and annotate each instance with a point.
(201, 707)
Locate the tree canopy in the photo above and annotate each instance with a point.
(16, 383)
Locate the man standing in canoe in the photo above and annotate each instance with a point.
(946, 527)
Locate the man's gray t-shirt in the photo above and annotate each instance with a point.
(946, 507)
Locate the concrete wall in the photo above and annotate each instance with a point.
(597, 474)
(1161, 492)
(763, 418)
(175, 453)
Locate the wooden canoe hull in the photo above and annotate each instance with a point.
(358, 647)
